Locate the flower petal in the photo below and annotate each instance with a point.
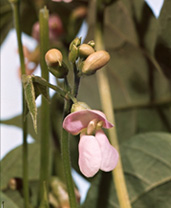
(89, 155)
(79, 120)
(109, 153)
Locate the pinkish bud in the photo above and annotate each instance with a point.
(53, 57)
(95, 61)
(85, 50)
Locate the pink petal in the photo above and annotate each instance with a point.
(109, 153)
(79, 120)
(89, 155)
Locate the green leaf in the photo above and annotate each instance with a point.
(163, 46)
(147, 163)
(8, 203)
(11, 164)
(30, 98)
(39, 88)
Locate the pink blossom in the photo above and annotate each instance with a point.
(55, 28)
(95, 151)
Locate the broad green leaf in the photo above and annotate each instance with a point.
(8, 203)
(145, 23)
(163, 46)
(147, 164)
(11, 164)
(30, 97)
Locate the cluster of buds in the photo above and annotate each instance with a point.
(89, 59)
(84, 55)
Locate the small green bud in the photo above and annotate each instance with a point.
(76, 42)
(53, 58)
(95, 61)
(59, 71)
(91, 43)
(79, 106)
(73, 54)
(85, 50)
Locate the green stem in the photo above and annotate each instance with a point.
(16, 12)
(66, 161)
(45, 111)
(106, 100)
(76, 80)
(61, 92)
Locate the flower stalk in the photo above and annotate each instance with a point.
(66, 160)
(45, 111)
(107, 106)
(16, 13)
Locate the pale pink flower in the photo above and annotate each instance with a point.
(55, 28)
(95, 151)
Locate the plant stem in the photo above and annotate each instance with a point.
(66, 160)
(16, 12)
(45, 111)
(61, 92)
(106, 100)
(76, 80)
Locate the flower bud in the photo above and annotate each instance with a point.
(73, 54)
(91, 43)
(95, 61)
(85, 50)
(59, 71)
(76, 42)
(79, 106)
(53, 58)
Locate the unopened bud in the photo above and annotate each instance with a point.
(76, 42)
(73, 54)
(85, 50)
(53, 58)
(59, 71)
(91, 43)
(95, 61)
(79, 106)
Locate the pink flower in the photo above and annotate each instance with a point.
(55, 28)
(66, 1)
(95, 151)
